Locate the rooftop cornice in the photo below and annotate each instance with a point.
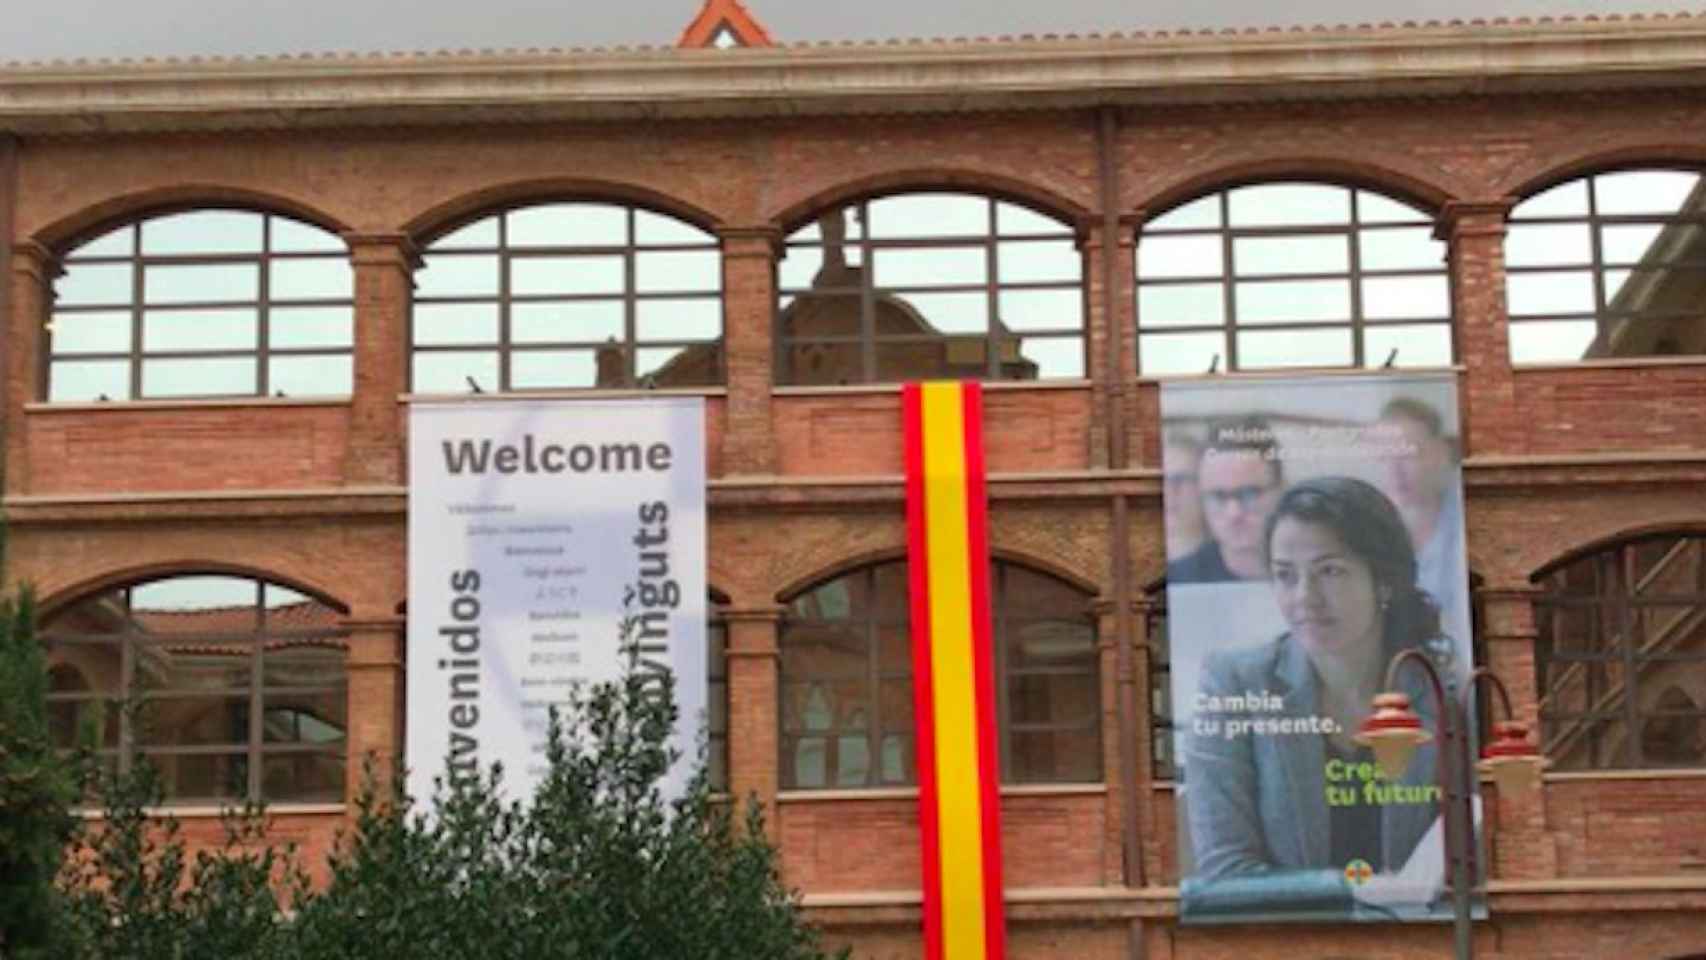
(914, 76)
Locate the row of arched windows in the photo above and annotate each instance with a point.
(235, 687)
(886, 289)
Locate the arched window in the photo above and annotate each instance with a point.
(1277, 275)
(930, 286)
(208, 303)
(569, 295)
(234, 688)
(1621, 642)
(1610, 265)
(847, 717)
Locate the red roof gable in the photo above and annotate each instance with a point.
(718, 15)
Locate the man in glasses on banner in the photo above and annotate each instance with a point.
(1240, 478)
(1421, 481)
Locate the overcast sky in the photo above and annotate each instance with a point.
(51, 29)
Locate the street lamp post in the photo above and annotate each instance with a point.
(1394, 731)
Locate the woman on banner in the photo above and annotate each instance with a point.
(1284, 808)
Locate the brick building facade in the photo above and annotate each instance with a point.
(295, 479)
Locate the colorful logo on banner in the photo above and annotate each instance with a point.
(959, 802)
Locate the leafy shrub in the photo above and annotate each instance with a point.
(37, 788)
(597, 865)
(131, 890)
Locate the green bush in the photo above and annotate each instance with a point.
(597, 865)
(131, 891)
(37, 788)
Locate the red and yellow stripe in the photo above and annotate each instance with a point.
(959, 800)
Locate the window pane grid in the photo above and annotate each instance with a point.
(549, 298)
(205, 281)
(1350, 279)
(198, 688)
(844, 290)
(1656, 265)
(218, 354)
(1631, 289)
(1617, 640)
(1179, 280)
(516, 353)
(955, 288)
(848, 721)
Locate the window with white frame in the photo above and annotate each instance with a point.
(203, 303)
(930, 286)
(1281, 275)
(567, 296)
(1608, 266)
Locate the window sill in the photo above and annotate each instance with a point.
(910, 793)
(1568, 776)
(855, 389)
(1293, 372)
(205, 403)
(1043, 895)
(589, 393)
(210, 812)
(1643, 773)
(1615, 363)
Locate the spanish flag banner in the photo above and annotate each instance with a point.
(959, 801)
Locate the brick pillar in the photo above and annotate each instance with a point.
(1105, 332)
(1522, 848)
(1155, 842)
(384, 283)
(1113, 816)
(749, 309)
(375, 665)
(1474, 232)
(33, 270)
(754, 698)
(1107, 657)
(8, 223)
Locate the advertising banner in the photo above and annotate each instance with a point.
(536, 530)
(1314, 531)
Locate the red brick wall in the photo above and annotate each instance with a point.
(220, 448)
(770, 533)
(1613, 409)
(1046, 841)
(859, 434)
(315, 836)
(1628, 827)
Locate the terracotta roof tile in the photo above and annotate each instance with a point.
(237, 619)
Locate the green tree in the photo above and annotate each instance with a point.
(38, 785)
(131, 890)
(598, 864)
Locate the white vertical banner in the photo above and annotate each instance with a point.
(535, 528)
